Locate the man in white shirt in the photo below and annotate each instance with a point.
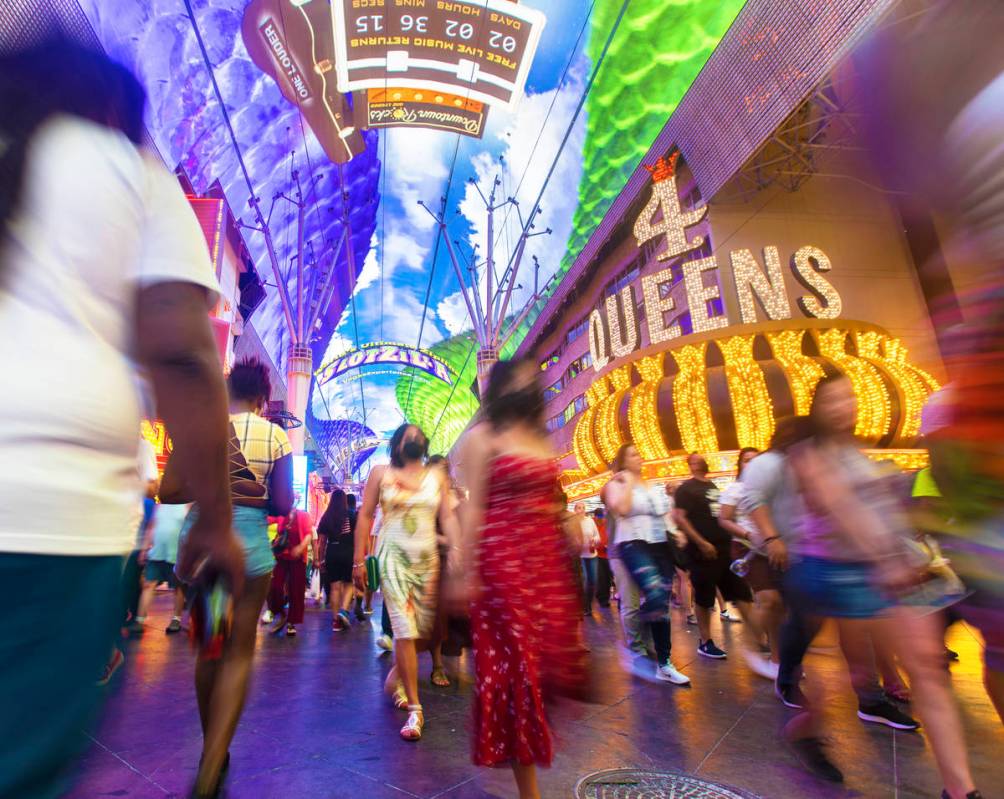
(103, 267)
(590, 543)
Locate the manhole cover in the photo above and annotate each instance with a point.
(627, 783)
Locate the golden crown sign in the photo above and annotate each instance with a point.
(664, 167)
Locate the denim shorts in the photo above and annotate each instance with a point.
(838, 589)
(251, 527)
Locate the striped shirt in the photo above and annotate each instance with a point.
(262, 443)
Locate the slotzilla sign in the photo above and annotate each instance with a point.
(384, 353)
(481, 49)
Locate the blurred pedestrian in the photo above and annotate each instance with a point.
(525, 616)
(336, 530)
(104, 272)
(288, 590)
(853, 564)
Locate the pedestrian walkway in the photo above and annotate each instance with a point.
(318, 725)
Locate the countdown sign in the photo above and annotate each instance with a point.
(479, 49)
(384, 353)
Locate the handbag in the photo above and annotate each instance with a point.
(372, 573)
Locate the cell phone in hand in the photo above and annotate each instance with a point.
(211, 613)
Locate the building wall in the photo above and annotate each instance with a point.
(858, 227)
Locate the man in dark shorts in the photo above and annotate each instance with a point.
(709, 553)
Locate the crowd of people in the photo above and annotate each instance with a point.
(105, 281)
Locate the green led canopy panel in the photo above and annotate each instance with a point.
(442, 411)
(657, 52)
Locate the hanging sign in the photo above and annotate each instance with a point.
(290, 40)
(480, 49)
(384, 353)
(420, 108)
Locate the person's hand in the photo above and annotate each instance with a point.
(211, 544)
(707, 549)
(359, 576)
(777, 554)
(680, 537)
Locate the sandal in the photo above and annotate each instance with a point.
(439, 678)
(399, 698)
(412, 730)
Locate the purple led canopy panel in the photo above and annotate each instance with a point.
(156, 39)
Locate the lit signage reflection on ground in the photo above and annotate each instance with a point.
(481, 49)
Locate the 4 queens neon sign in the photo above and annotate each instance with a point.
(384, 353)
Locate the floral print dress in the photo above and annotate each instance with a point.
(408, 554)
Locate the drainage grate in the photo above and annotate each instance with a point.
(628, 783)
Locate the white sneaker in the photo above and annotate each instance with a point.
(385, 642)
(760, 665)
(667, 672)
(266, 617)
(727, 615)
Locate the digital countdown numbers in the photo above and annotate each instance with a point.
(479, 49)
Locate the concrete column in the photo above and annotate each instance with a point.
(297, 392)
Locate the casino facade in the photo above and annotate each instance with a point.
(733, 272)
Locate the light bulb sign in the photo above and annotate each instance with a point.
(614, 327)
(479, 49)
(384, 353)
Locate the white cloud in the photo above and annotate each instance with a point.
(371, 268)
(452, 311)
(401, 249)
(526, 163)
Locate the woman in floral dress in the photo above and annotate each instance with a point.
(411, 495)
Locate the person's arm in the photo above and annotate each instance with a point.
(450, 526)
(618, 495)
(828, 493)
(727, 520)
(280, 487)
(177, 349)
(364, 522)
(475, 455)
(705, 547)
(304, 532)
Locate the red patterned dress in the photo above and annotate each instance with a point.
(526, 624)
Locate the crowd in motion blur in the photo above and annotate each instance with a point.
(104, 284)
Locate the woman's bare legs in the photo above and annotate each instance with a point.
(406, 660)
(920, 645)
(526, 781)
(221, 685)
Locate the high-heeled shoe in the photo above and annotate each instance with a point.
(412, 730)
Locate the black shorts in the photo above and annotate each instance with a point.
(338, 561)
(160, 571)
(709, 576)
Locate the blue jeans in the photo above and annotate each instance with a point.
(590, 574)
(651, 568)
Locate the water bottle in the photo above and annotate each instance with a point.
(741, 567)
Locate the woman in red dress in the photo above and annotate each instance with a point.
(525, 612)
